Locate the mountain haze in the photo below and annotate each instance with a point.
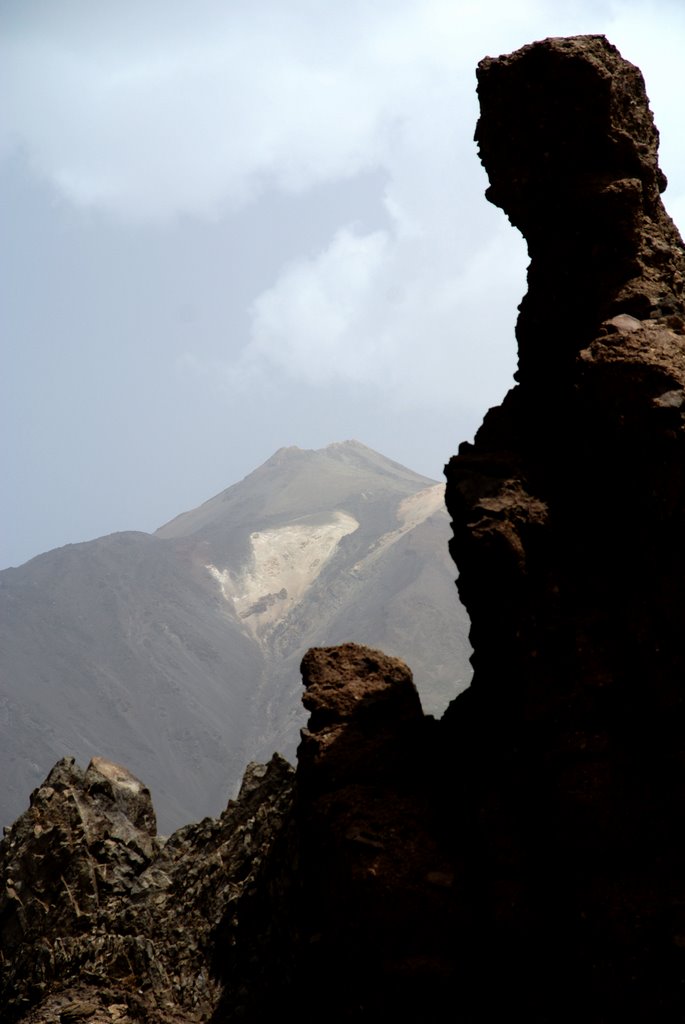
(178, 653)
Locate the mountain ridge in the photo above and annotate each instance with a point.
(351, 455)
(188, 640)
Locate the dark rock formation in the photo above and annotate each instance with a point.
(523, 857)
(102, 921)
(569, 534)
(568, 140)
(376, 883)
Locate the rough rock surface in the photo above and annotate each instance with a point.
(377, 890)
(346, 875)
(102, 921)
(569, 534)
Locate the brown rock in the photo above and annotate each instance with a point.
(357, 697)
(568, 140)
(569, 513)
(377, 894)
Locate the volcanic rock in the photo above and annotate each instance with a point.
(377, 895)
(102, 921)
(569, 534)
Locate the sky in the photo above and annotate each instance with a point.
(235, 226)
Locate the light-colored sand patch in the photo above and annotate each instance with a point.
(283, 565)
(418, 507)
(411, 512)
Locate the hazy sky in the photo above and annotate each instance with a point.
(233, 226)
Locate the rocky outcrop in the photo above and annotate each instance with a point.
(570, 147)
(569, 534)
(377, 893)
(293, 888)
(103, 921)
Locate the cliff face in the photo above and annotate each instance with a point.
(569, 534)
(523, 856)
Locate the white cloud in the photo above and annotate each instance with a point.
(199, 121)
(146, 111)
(382, 309)
(307, 321)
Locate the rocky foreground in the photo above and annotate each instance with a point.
(101, 920)
(522, 857)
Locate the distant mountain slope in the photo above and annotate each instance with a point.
(178, 653)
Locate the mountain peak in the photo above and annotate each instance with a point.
(190, 640)
(311, 479)
(350, 444)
